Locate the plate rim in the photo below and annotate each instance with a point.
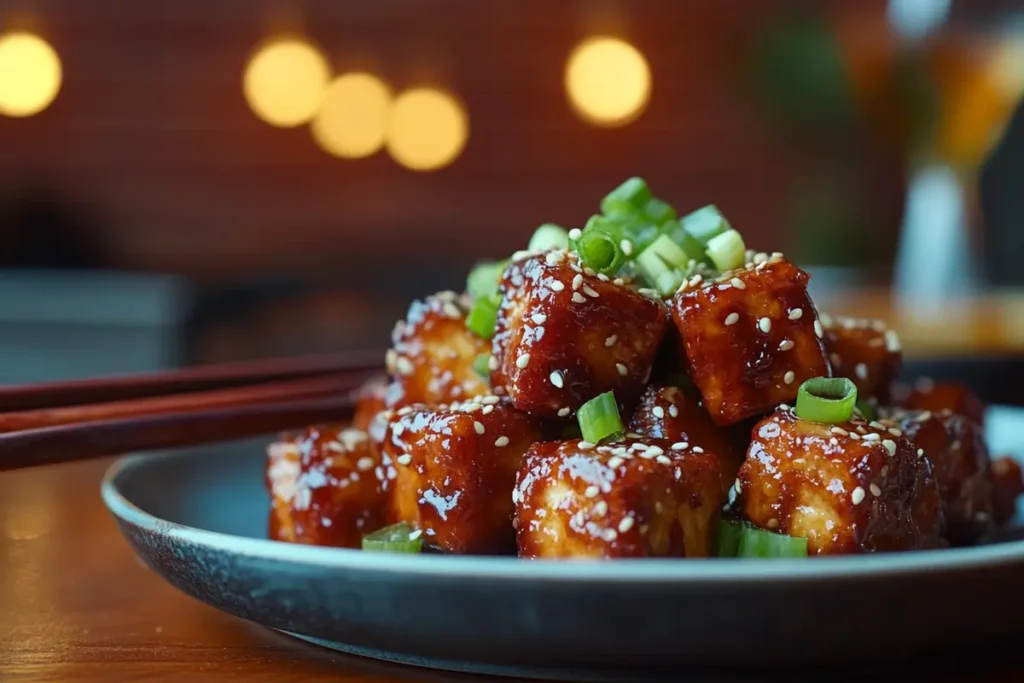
(697, 571)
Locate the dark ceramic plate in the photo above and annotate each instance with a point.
(198, 518)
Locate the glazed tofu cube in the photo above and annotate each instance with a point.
(927, 394)
(750, 337)
(1008, 485)
(849, 488)
(959, 456)
(865, 351)
(324, 487)
(671, 413)
(565, 335)
(432, 353)
(371, 414)
(455, 467)
(630, 498)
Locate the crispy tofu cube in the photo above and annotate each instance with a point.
(324, 487)
(956, 448)
(455, 467)
(371, 405)
(1008, 485)
(565, 335)
(866, 352)
(849, 488)
(630, 498)
(667, 412)
(432, 353)
(751, 338)
(927, 394)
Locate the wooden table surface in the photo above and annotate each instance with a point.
(76, 605)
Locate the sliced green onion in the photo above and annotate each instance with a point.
(658, 211)
(600, 250)
(640, 232)
(549, 236)
(868, 408)
(651, 266)
(826, 399)
(706, 223)
(483, 280)
(484, 316)
(668, 282)
(688, 242)
(736, 539)
(629, 197)
(727, 250)
(599, 418)
(669, 252)
(482, 365)
(397, 538)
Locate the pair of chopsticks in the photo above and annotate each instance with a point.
(48, 423)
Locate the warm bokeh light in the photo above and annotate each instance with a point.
(428, 129)
(30, 74)
(353, 119)
(608, 81)
(285, 81)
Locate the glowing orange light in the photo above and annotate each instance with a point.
(30, 74)
(353, 119)
(428, 129)
(285, 80)
(608, 81)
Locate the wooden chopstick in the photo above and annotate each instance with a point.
(201, 378)
(72, 442)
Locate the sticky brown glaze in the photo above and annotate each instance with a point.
(455, 467)
(670, 413)
(956, 448)
(750, 338)
(432, 353)
(865, 351)
(630, 498)
(325, 487)
(927, 394)
(849, 488)
(1008, 485)
(565, 335)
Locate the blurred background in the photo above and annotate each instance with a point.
(197, 182)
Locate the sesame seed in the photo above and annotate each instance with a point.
(796, 314)
(578, 518)
(609, 535)
(515, 495)
(858, 496)
(539, 318)
(364, 463)
(673, 411)
(738, 486)
(658, 411)
(920, 452)
(489, 400)
(772, 523)
(589, 271)
(335, 446)
(895, 432)
(625, 525)
(575, 234)
(556, 379)
(487, 410)
(610, 341)
(786, 345)
(615, 461)
(623, 370)
(589, 291)
(875, 491)
(789, 377)
(492, 363)
(591, 492)
(557, 286)
(634, 435)
(649, 293)
(861, 370)
(737, 283)
(680, 446)
(840, 431)
(765, 325)
(876, 424)
(817, 329)
(626, 246)
(404, 459)
(577, 281)
(854, 435)
(663, 459)
(404, 366)
(834, 441)
(890, 446)
(732, 318)
(925, 416)
(698, 449)
(600, 509)
(645, 455)
(872, 437)
(618, 281)
(501, 441)
(584, 445)
(562, 412)
(578, 298)
(523, 360)
(553, 258)
(479, 427)
(892, 341)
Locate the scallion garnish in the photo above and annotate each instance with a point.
(484, 278)
(482, 365)
(741, 540)
(629, 197)
(397, 538)
(600, 250)
(668, 251)
(826, 399)
(868, 408)
(658, 211)
(549, 236)
(688, 242)
(599, 418)
(705, 223)
(668, 282)
(483, 316)
(726, 250)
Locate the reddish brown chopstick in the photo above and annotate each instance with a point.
(67, 443)
(202, 378)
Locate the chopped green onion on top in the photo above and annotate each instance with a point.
(483, 280)
(669, 252)
(658, 211)
(629, 197)
(397, 538)
(736, 539)
(868, 407)
(688, 242)
(484, 316)
(826, 399)
(727, 250)
(599, 418)
(600, 250)
(549, 236)
(705, 223)
(668, 282)
(482, 365)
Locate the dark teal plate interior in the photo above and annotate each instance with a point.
(198, 518)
